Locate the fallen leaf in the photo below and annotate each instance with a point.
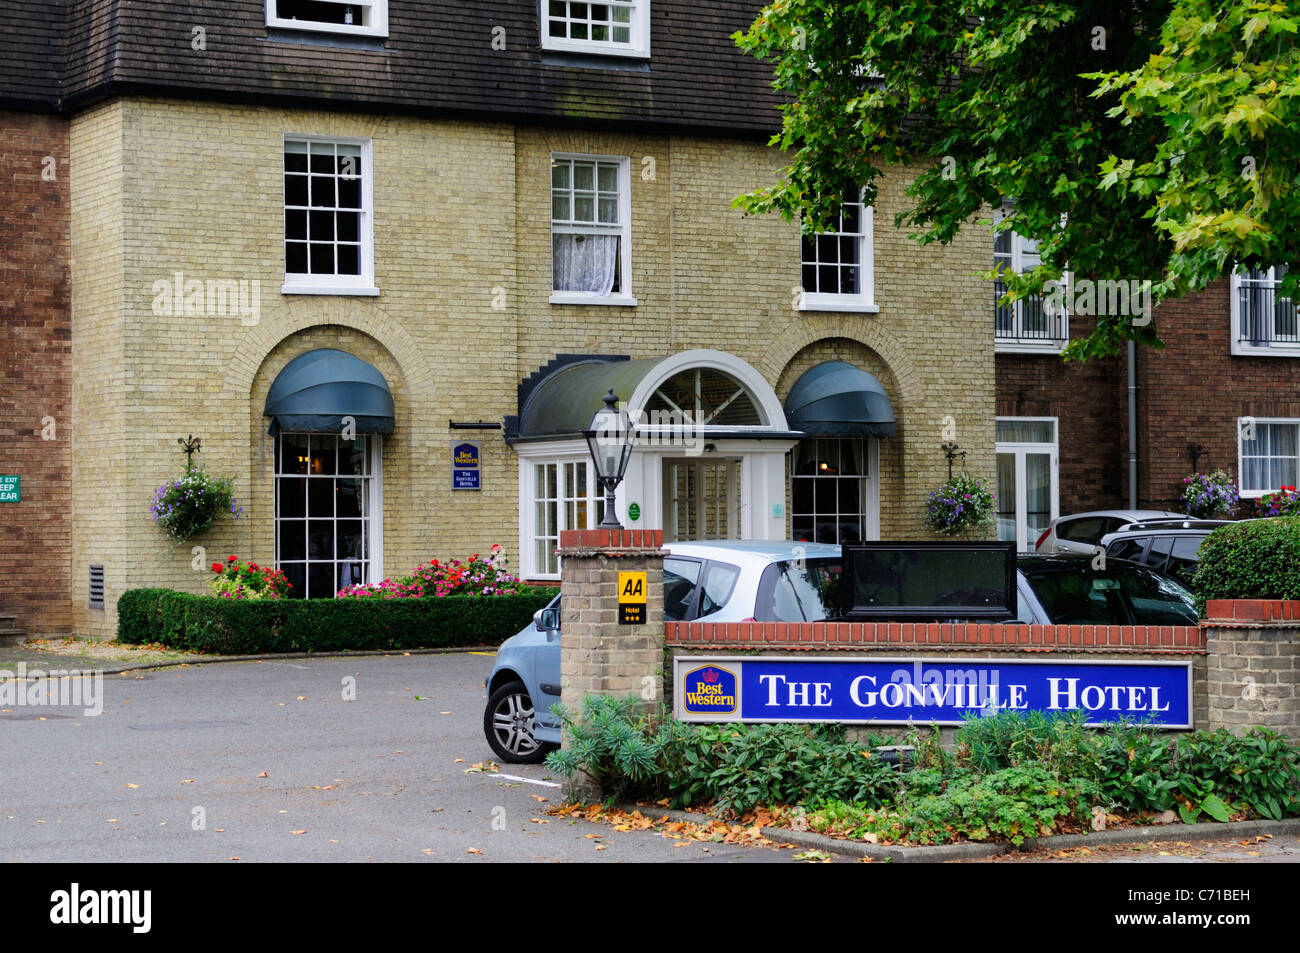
(444, 713)
(302, 698)
(459, 761)
(538, 798)
(473, 850)
(425, 851)
(220, 830)
(600, 847)
(93, 762)
(594, 836)
(188, 781)
(111, 820)
(262, 775)
(130, 785)
(297, 832)
(537, 820)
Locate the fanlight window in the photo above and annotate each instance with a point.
(704, 397)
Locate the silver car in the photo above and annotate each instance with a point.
(1080, 533)
(721, 581)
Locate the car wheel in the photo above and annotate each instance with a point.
(508, 724)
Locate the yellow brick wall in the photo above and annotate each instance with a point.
(461, 209)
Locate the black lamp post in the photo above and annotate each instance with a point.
(609, 440)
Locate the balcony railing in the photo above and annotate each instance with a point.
(1028, 321)
(1263, 317)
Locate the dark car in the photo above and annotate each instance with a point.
(1067, 590)
(1170, 547)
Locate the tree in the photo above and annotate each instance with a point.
(1148, 140)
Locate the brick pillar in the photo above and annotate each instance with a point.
(598, 655)
(1254, 664)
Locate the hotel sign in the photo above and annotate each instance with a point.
(943, 691)
(465, 467)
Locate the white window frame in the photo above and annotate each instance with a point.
(865, 300)
(638, 46)
(1254, 494)
(378, 16)
(364, 283)
(1021, 450)
(1243, 348)
(623, 297)
(1020, 253)
(869, 489)
(553, 454)
(374, 519)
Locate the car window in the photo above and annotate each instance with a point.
(1118, 595)
(680, 577)
(719, 583)
(1157, 600)
(1158, 552)
(1133, 547)
(1087, 530)
(1182, 558)
(800, 591)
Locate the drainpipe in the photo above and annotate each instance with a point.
(1132, 427)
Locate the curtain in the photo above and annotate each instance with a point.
(585, 263)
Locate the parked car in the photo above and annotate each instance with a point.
(1081, 532)
(1065, 590)
(731, 581)
(722, 581)
(1170, 547)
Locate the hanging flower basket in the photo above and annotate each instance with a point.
(186, 506)
(959, 506)
(1207, 496)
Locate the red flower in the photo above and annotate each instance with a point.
(230, 559)
(216, 567)
(252, 565)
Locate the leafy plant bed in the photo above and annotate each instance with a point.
(248, 627)
(1010, 777)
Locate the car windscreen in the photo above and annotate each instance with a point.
(800, 590)
(1116, 595)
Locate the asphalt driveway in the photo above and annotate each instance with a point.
(332, 759)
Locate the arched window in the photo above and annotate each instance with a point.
(703, 396)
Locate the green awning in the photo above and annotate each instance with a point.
(562, 405)
(316, 390)
(836, 399)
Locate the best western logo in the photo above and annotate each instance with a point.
(710, 690)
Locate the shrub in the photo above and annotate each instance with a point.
(187, 505)
(1211, 495)
(961, 504)
(1257, 559)
(246, 627)
(1059, 742)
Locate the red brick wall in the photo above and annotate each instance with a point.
(36, 365)
(1090, 401)
(1194, 391)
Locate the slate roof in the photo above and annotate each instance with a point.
(437, 60)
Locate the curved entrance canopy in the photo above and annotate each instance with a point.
(836, 399)
(316, 390)
(711, 392)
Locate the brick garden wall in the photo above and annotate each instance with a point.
(35, 372)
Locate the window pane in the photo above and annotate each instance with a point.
(292, 496)
(295, 190)
(291, 539)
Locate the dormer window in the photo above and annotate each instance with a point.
(353, 17)
(613, 28)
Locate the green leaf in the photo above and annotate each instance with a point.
(1214, 807)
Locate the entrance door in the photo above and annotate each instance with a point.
(1027, 492)
(702, 499)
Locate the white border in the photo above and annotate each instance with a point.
(864, 301)
(1242, 492)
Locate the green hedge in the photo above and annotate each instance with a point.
(248, 627)
(1254, 559)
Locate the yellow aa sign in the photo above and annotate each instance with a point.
(631, 587)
